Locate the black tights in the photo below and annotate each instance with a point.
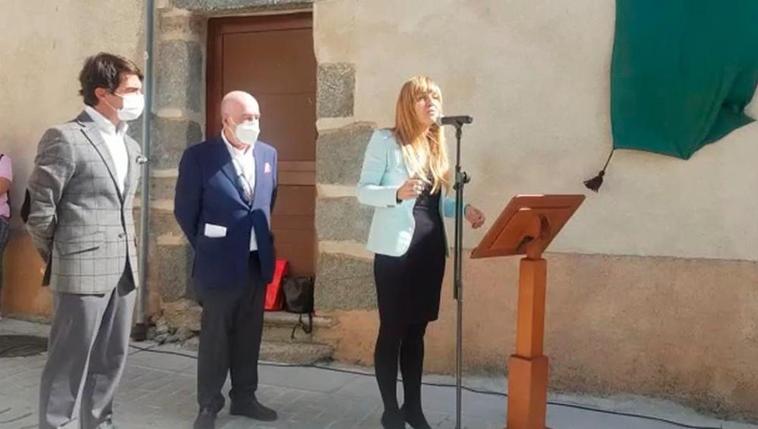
(407, 341)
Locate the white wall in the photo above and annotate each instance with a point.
(534, 74)
(42, 50)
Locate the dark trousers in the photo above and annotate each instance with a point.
(230, 340)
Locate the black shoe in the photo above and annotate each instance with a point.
(392, 420)
(415, 418)
(206, 419)
(106, 424)
(254, 410)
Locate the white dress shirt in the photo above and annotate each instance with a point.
(244, 165)
(114, 141)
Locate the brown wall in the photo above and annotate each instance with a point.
(684, 329)
(23, 294)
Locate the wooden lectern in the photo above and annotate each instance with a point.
(526, 226)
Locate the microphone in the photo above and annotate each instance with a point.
(456, 121)
(142, 160)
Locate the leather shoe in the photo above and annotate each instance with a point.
(107, 424)
(206, 419)
(254, 410)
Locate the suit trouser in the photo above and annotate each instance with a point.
(230, 340)
(87, 349)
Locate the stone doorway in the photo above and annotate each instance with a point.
(272, 58)
(179, 120)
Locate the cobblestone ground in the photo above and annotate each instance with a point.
(158, 392)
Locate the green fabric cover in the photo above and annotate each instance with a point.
(682, 72)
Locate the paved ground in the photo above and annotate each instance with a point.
(158, 392)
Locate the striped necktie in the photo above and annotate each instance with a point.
(244, 182)
(247, 191)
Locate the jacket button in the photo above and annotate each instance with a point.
(122, 235)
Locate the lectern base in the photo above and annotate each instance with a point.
(527, 392)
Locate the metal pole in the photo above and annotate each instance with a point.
(140, 329)
(461, 178)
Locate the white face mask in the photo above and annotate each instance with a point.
(248, 131)
(132, 107)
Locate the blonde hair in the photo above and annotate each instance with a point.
(424, 150)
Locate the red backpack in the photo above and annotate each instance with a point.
(274, 295)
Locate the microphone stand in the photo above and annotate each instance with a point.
(461, 178)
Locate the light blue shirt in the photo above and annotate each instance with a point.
(383, 172)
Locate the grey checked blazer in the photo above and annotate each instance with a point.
(79, 221)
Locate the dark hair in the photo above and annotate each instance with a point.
(104, 71)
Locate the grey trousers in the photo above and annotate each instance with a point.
(231, 327)
(87, 349)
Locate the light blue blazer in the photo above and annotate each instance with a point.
(383, 172)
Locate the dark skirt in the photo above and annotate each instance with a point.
(408, 286)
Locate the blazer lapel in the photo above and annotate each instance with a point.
(259, 168)
(89, 129)
(227, 167)
(400, 159)
(132, 153)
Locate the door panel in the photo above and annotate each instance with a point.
(272, 58)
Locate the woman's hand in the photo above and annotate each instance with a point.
(474, 216)
(410, 189)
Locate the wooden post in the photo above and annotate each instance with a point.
(527, 368)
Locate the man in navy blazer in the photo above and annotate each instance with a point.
(224, 197)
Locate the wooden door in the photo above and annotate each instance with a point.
(272, 58)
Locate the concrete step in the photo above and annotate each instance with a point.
(284, 351)
(278, 325)
(181, 319)
(295, 352)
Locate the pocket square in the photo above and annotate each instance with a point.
(266, 168)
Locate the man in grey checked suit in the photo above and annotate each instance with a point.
(81, 191)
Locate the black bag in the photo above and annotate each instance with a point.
(25, 207)
(298, 298)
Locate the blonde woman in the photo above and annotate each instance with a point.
(406, 177)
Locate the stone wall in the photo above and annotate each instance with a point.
(344, 277)
(179, 121)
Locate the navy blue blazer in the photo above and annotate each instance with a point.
(211, 210)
